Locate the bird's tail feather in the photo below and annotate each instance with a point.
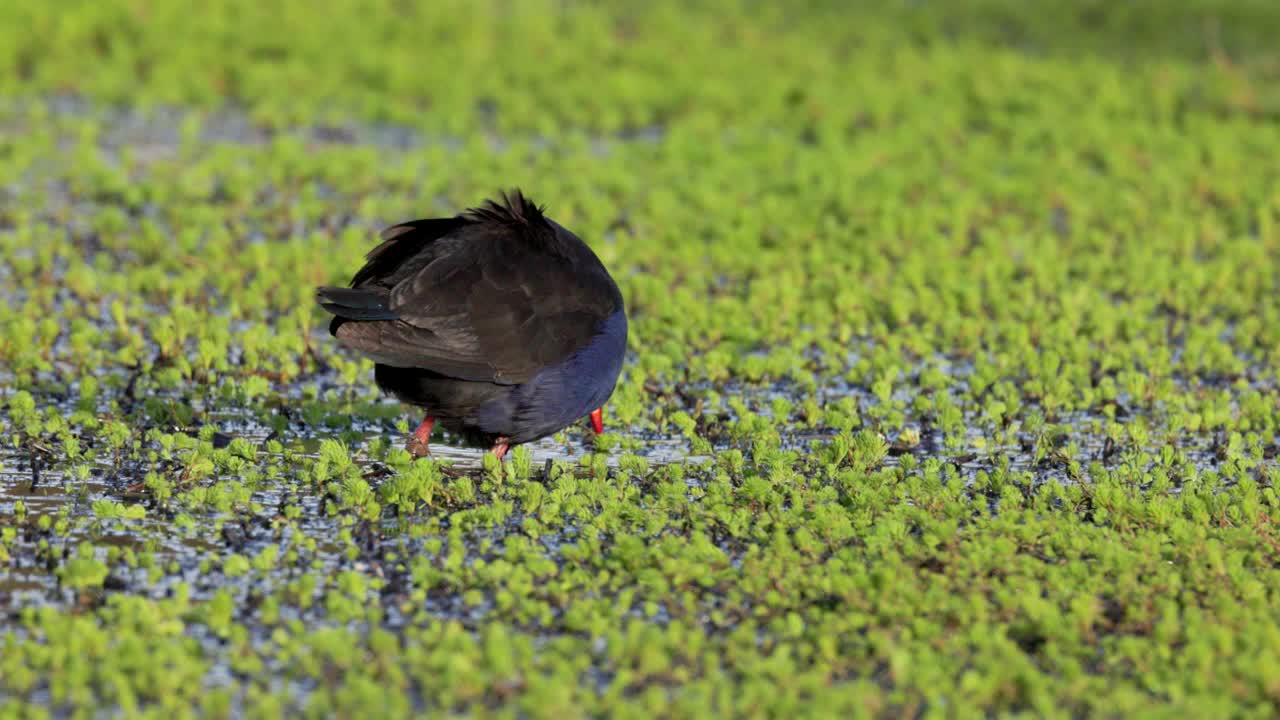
(356, 303)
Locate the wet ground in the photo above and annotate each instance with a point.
(33, 475)
(953, 411)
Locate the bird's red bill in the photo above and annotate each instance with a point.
(597, 420)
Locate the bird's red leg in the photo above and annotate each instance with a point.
(500, 447)
(418, 443)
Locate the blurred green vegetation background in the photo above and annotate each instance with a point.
(549, 66)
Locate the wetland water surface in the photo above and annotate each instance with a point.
(951, 388)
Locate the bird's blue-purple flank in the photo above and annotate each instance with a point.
(501, 324)
(561, 393)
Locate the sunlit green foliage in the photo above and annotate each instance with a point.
(952, 387)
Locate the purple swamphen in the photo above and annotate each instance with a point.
(501, 324)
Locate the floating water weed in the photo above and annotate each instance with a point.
(951, 385)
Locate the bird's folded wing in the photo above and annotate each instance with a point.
(472, 316)
(486, 317)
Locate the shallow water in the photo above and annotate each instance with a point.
(184, 545)
(27, 582)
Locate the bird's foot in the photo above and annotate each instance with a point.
(418, 448)
(418, 442)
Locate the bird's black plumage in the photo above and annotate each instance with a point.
(502, 324)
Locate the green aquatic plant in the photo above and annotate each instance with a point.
(950, 388)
